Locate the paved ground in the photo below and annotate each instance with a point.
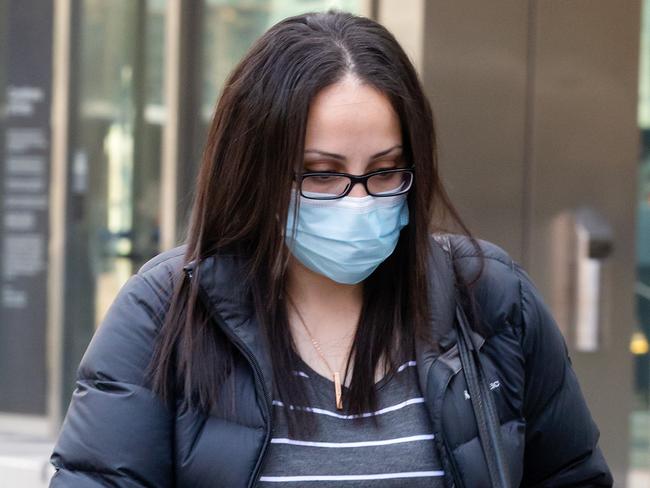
(24, 461)
(638, 479)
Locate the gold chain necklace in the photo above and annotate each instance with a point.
(335, 374)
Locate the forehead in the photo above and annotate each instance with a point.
(349, 117)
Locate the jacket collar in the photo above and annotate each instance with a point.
(222, 282)
(221, 279)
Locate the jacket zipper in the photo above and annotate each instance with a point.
(258, 375)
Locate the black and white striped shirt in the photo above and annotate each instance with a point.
(398, 452)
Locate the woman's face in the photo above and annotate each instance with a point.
(352, 128)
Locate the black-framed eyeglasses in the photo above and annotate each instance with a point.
(330, 185)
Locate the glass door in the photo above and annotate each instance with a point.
(117, 119)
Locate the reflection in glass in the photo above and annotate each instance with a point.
(117, 117)
(117, 138)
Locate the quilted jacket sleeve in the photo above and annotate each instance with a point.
(116, 431)
(561, 436)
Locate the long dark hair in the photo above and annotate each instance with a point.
(254, 145)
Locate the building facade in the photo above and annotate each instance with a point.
(542, 110)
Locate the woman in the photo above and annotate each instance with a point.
(305, 334)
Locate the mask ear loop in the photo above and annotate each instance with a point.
(294, 203)
(294, 209)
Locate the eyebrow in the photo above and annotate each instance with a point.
(341, 157)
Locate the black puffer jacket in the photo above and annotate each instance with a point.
(118, 433)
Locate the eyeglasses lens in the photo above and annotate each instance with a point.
(333, 186)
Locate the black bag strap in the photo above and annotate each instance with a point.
(487, 420)
(484, 409)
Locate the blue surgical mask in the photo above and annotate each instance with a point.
(347, 238)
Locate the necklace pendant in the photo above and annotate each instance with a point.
(337, 391)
